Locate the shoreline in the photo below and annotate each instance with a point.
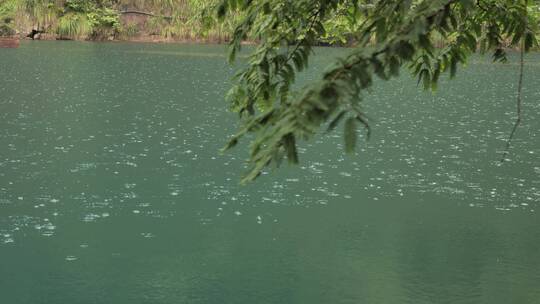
(145, 39)
(160, 40)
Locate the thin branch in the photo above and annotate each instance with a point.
(519, 104)
(313, 19)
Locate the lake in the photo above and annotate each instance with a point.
(113, 189)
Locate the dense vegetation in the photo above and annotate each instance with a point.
(113, 19)
(116, 19)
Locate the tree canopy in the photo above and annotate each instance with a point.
(388, 35)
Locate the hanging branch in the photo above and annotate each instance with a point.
(524, 47)
(519, 103)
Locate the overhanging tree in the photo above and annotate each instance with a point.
(389, 35)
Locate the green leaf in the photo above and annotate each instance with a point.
(290, 148)
(350, 135)
(333, 124)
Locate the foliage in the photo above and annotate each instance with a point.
(342, 25)
(73, 25)
(389, 35)
(69, 18)
(6, 30)
(191, 19)
(7, 15)
(83, 18)
(7, 9)
(98, 19)
(128, 30)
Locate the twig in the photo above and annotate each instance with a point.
(519, 103)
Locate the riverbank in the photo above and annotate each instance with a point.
(158, 39)
(119, 36)
(142, 39)
(148, 39)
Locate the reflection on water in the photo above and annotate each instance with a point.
(112, 189)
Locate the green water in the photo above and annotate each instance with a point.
(112, 189)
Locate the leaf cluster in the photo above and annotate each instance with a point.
(389, 35)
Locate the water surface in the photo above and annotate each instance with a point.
(112, 189)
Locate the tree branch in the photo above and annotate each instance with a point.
(519, 105)
(520, 92)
